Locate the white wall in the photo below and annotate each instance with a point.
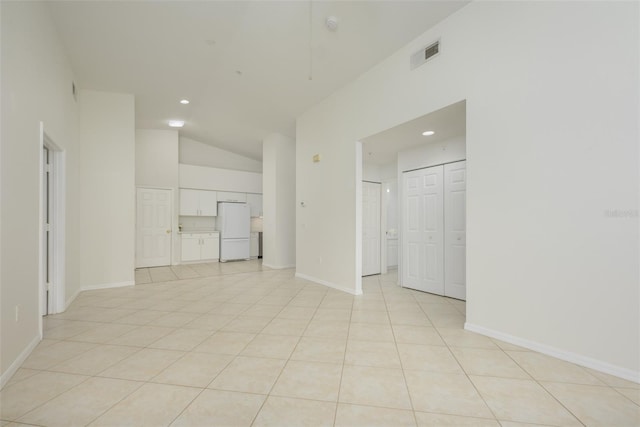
(199, 154)
(157, 166)
(36, 86)
(205, 178)
(157, 158)
(552, 144)
(379, 173)
(107, 188)
(389, 171)
(437, 153)
(371, 173)
(279, 212)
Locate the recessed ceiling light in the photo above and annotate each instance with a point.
(184, 101)
(428, 133)
(176, 123)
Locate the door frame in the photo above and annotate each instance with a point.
(381, 234)
(173, 222)
(384, 218)
(57, 288)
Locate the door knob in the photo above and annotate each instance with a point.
(168, 231)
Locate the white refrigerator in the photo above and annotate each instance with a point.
(234, 224)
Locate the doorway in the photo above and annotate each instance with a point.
(153, 227)
(436, 138)
(52, 226)
(371, 244)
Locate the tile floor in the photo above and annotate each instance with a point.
(237, 345)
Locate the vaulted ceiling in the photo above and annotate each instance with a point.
(248, 68)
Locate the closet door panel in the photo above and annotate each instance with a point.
(455, 214)
(423, 250)
(412, 241)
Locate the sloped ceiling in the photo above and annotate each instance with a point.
(245, 66)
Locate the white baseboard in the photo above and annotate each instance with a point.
(568, 356)
(70, 301)
(278, 267)
(6, 376)
(108, 285)
(200, 261)
(329, 284)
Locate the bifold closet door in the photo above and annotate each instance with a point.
(434, 230)
(455, 238)
(423, 230)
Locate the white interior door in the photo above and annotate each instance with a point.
(455, 214)
(423, 230)
(153, 227)
(370, 228)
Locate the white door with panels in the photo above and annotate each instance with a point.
(455, 229)
(153, 227)
(370, 228)
(424, 232)
(433, 245)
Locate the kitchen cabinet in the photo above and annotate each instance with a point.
(255, 203)
(254, 245)
(190, 248)
(227, 196)
(210, 248)
(198, 202)
(189, 202)
(200, 246)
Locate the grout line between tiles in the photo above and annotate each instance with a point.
(229, 289)
(545, 389)
(404, 375)
(462, 368)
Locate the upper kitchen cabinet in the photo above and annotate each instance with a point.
(198, 202)
(227, 196)
(255, 202)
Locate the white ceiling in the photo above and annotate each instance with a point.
(448, 122)
(163, 51)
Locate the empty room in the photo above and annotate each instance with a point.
(341, 213)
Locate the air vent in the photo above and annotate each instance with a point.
(424, 54)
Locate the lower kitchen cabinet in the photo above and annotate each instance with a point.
(200, 246)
